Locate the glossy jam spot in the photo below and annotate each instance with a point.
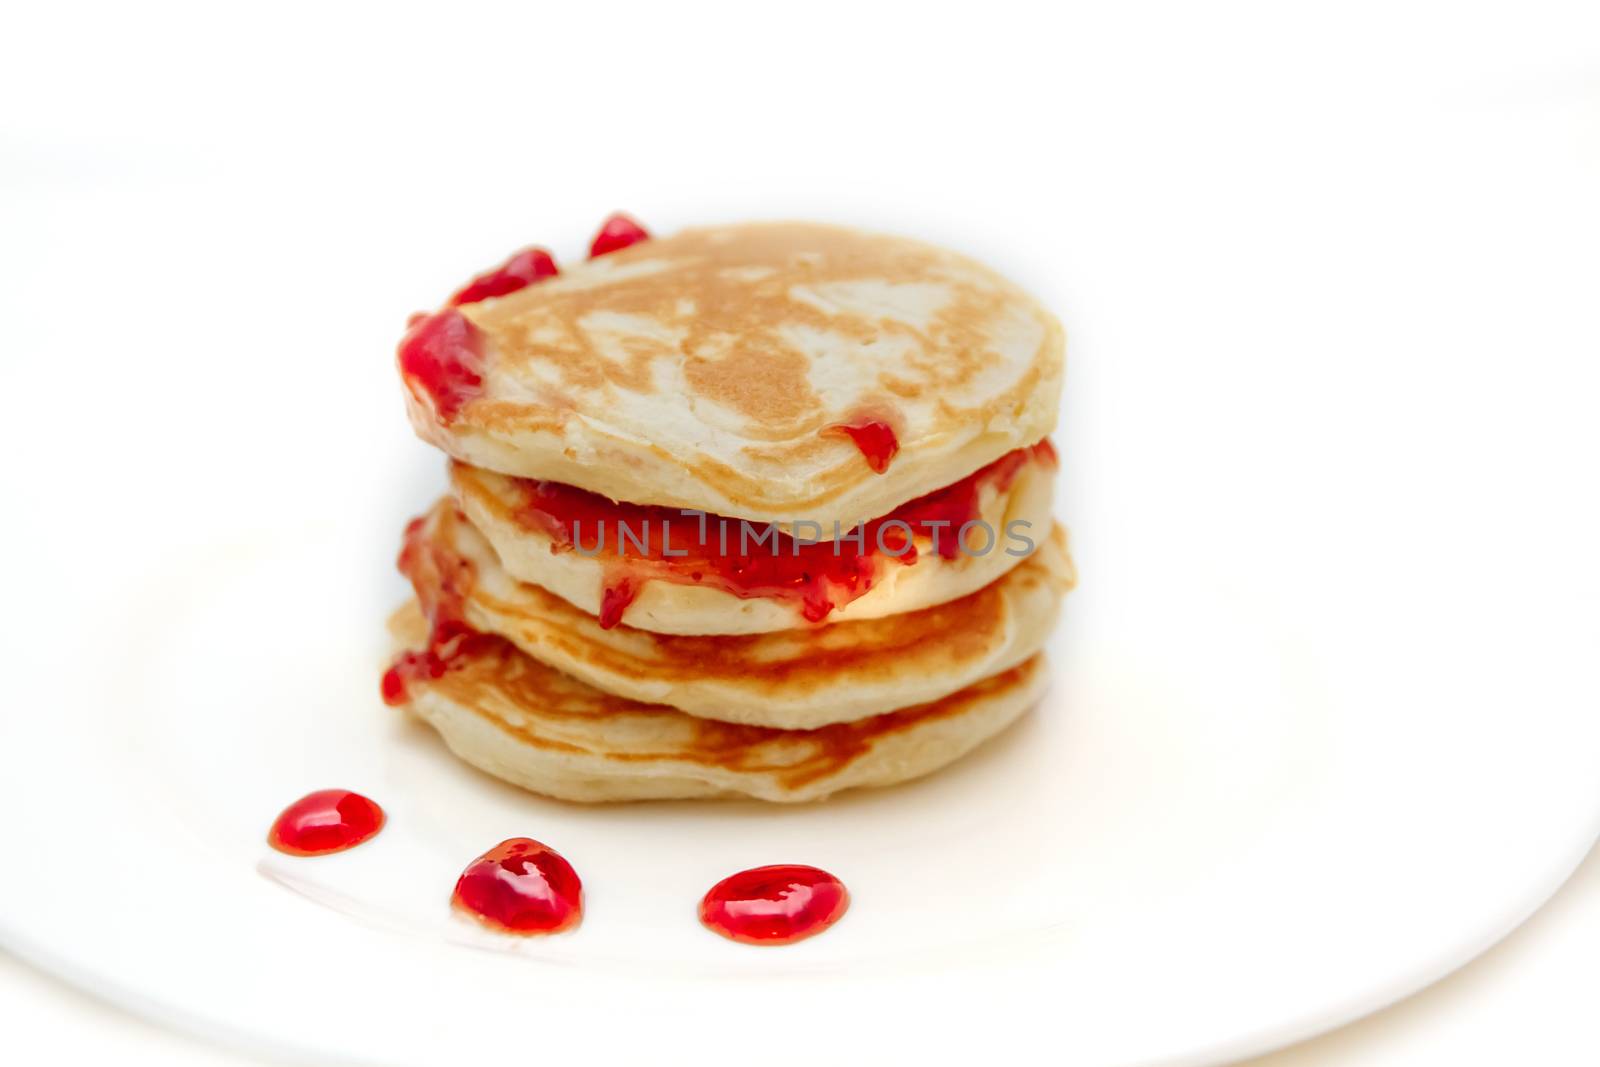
(876, 440)
(329, 820)
(442, 354)
(520, 271)
(639, 542)
(521, 887)
(617, 232)
(776, 905)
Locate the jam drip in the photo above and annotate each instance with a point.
(617, 233)
(876, 440)
(776, 905)
(616, 595)
(521, 887)
(640, 542)
(329, 820)
(449, 643)
(450, 639)
(520, 271)
(442, 354)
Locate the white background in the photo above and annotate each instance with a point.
(1351, 184)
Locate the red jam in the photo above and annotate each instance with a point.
(449, 643)
(329, 820)
(641, 542)
(450, 639)
(442, 354)
(874, 438)
(776, 905)
(520, 271)
(616, 596)
(616, 233)
(521, 887)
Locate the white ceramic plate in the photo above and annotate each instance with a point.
(1324, 723)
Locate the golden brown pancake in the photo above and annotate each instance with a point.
(793, 679)
(519, 720)
(714, 370)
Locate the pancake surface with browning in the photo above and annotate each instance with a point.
(712, 370)
(795, 679)
(493, 503)
(511, 716)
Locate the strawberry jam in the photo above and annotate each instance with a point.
(450, 639)
(776, 905)
(640, 542)
(616, 233)
(449, 643)
(329, 820)
(616, 595)
(876, 440)
(442, 355)
(521, 887)
(520, 271)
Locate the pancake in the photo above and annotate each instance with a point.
(511, 716)
(683, 597)
(719, 369)
(792, 679)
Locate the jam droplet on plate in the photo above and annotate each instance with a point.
(520, 271)
(521, 887)
(329, 820)
(442, 354)
(875, 438)
(616, 233)
(776, 905)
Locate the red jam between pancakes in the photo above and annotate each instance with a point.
(329, 820)
(450, 639)
(521, 887)
(518, 272)
(641, 542)
(776, 905)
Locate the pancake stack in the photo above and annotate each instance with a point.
(760, 510)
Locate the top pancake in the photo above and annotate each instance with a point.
(711, 369)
